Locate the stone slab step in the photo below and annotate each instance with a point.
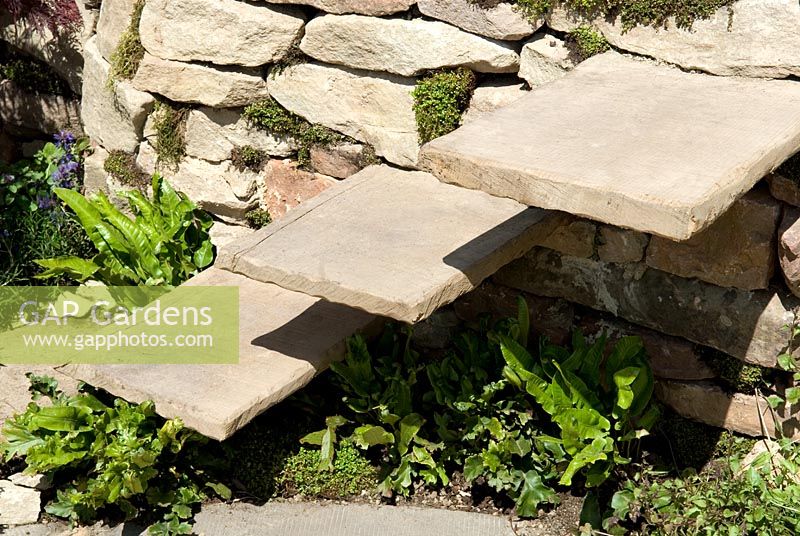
(286, 338)
(394, 243)
(628, 142)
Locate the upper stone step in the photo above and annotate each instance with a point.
(394, 243)
(286, 338)
(628, 142)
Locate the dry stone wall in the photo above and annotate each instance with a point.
(351, 66)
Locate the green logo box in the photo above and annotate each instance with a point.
(119, 325)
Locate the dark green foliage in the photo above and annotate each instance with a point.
(351, 473)
(258, 218)
(123, 167)
(30, 74)
(728, 498)
(735, 375)
(248, 158)
(166, 243)
(632, 12)
(586, 42)
(117, 455)
(684, 443)
(129, 52)
(268, 115)
(170, 124)
(439, 101)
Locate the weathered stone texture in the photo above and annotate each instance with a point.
(339, 161)
(756, 38)
(621, 245)
(490, 96)
(94, 176)
(567, 145)
(737, 250)
(286, 186)
(360, 7)
(24, 111)
(784, 189)
(404, 47)
(709, 404)
(193, 83)
(789, 249)
(18, 505)
(499, 22)
(233, 32)
(543, 59)
(217, 188)
(115, 116)
(575, 238)
(394, 243)
(212, 133)
(115, 17)
(748, 325)
(373, 108)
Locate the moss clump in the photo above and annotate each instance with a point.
(129, 52)
(30, 74)
(258, 218)
(123, 167)
(735, 375)
(268, 115)
(689, 443)
(631, 12)
(351, 474)
(248, 158)
(585, 42)
(440, 99)
(170, 125)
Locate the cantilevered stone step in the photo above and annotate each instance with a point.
(394, 243)
(628, 142)
(286, 338)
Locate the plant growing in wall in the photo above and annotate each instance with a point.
(165, 244)
(129, 52)
(440, 99)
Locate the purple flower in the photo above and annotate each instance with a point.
(63, 176)
(64, 139)
(44, 202)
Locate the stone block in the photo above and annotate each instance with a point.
(499, 22)
(286, 186)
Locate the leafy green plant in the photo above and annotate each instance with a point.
(270, 116)
(350, 473)
(170, 125)
(440, 99)
(258, 218)
(165, 244)
(128, 55)
(118, 455)
(587, 42)
(600, 405)
(123, 167)
(731, 498)
(248, 158)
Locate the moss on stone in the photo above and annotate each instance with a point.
(585, 42)
(170, 125)
(123, 167)
(688, 443)
(258, 218)
(735, 375)
(129, 52)
(351, 474)
(440, 99)
(248, 158)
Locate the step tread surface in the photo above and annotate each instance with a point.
(394, 243)
(628, 142)
(286, 338)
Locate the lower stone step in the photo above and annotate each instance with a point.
(394, 243)
(286, 338)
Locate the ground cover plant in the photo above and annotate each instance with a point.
(440, 99)
(129, 52)
(169, 122)
(33, 224)
(111, 458)
(166, 242)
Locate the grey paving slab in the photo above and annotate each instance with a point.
(628, 142)
(394, 243)
(306, 519)
(286, 338)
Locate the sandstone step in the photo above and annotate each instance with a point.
(394, 243)
(628, 142)
(286, 338)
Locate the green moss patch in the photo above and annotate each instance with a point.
(129, 52)
(248, 158)
(440, 100)
(258, 218)
(736, 376)
(351, 474)
(123, 167)
(170, 125)
(586, 42)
